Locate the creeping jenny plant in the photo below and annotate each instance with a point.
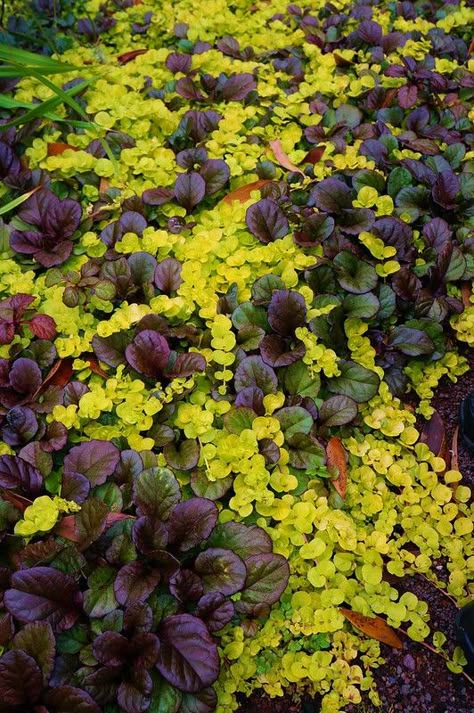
(275, 252)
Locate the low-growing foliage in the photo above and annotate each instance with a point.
(228, 292)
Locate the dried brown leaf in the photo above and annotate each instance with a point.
(242, 194)
(337, 457)
(282, 157)
(374, 627)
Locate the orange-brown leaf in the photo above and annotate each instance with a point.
(60, 373)
(336, 457)
(95, 368)
(466, 293)
(282, 158)
(67, 529)
(314, 155)
(103, 185)
(374, 627)
(129, 56)
(56, 148)
(434, 435)
(242, 194)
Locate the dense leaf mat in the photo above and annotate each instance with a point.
(236, 259)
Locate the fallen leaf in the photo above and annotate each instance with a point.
(57, 148)
(471, 48)
(388, 98)
(454, 450)
(374, 627)
(103, 185)
(282, 158)
(466, 293)
(95, 368)
(337, 457)
(434, 435)
(59, 374)
(242, 194)
(314, 155)
(129, 56)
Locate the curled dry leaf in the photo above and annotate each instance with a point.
(282, 158)
(129, 56)
(314, 155)
(242, 194)
(466, 293)
(57, 148)
(374, 627)
(337, 457)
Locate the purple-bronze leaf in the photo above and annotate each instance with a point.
(286, 312)
(156, 492)
(96, 460)
(188, 656)
(37, 640)
(21, 681)
(148, 354)
(189, 190)
(68, 699)
(191, 522)
(220, 570)
(17, 473)
(215, 610)
(253, 372)
(238, 86)
(45, 594)
(168, 275)
(267, 578)
(266, 220)
(216, 173)
(135, 582)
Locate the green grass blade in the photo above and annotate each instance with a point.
(42, 109)
(17, 201)
(14, 55)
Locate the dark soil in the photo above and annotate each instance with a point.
(413, 680)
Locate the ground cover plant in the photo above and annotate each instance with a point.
(237, 258)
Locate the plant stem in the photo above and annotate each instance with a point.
(448, 596)
(434, 651)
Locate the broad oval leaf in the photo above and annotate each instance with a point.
(337, 411)
(68, 699)
(148, 354)
(95, 460)
(253, 372)
(267, 579)
(286, 311)
(191, 522)
(17, 473)
(266, 220)
(188, 656)
(220, 570)
(44, 594)
(190, 189)
(37, 640)
(135, 582)
(355, 381)
(155, 493)
(294, 419)
(215, 610)
(21, 681)
(375, 627)
(244, 540)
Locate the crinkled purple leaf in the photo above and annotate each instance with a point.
(130, 465)
(266, 220)
(135, 582)
(370, 32)
(142, 267)
(75, 487)
(111, 350)
(445, 189)
(220, 570)
(90, 521)
(167, 275)
(186, 586)
(148, 354)
(337, 411)
(189, 189)
(353, 274)
(21, 681)
(215, 610)
(407, 96)
(185, 365)
(286, 312)
(25, 376)
(294, 419)
(155, 493)
(111, 648)
(95, 459)
(263, 288)
(253, 372)
(20, 426)
(191, 522)
(68, 699)
(202, 702)
(216, 173)
(331, 196)
(45, 594)
(315, 229)
(9, 162)
(190, 158)
(99, 599)
(267, 578)
(238, 86)
(244, 540)
(188, 656)
(251, 397)
(412, 342)
(37, 640)
(182, 457)
(157, 196)
(149, 535)
(355, 220)
(178, 62)
(17, 473)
